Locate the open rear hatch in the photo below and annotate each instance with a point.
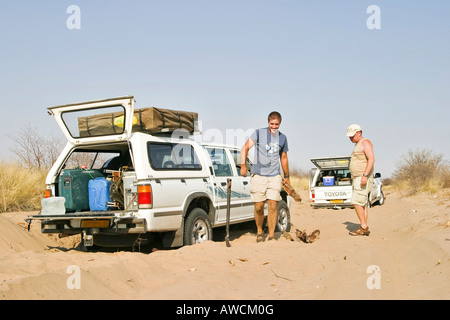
(333, 188)
(85, 124)
(331, 163)
(99, 121)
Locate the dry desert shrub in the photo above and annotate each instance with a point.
(421, 171)
(21, 188)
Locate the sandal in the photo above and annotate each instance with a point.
(301, 235)
(260, 237)
(313, 235)
(360, 232)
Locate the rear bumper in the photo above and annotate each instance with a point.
(92, 222)
(332, 205)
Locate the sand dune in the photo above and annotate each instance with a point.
(409, 245)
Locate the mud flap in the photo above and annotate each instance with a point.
(174, 239)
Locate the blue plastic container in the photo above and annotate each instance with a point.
(99, 194)
(328, 181)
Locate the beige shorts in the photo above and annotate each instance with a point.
(263, 188)
(360, 194)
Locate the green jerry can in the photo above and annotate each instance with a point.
(73, 186)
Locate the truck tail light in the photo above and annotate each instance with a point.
(48, 193)
(145, 196)
(313, 195)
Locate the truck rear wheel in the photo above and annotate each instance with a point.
(381, 201)
(284, 217)
(197, 227)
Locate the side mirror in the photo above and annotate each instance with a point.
(377, 175)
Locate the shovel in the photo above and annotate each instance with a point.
(227, 237)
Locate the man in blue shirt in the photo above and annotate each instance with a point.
(266, 181)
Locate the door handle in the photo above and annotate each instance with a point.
(223, 184)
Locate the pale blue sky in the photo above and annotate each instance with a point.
(234, 61)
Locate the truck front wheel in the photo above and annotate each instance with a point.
(284, 217)
(197, 227)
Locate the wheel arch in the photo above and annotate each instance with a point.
(194, 200)
(199, 200)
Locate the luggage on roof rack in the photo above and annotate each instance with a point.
(151, 120)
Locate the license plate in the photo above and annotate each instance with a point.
(337, 201)
(95, 223)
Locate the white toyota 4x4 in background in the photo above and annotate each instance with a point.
(330, 184)
(127, 175)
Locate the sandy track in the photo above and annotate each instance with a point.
(409, 243)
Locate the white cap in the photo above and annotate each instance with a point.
(353, 129)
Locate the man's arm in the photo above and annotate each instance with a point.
(244, 154)
(367, 147)
(285, 166)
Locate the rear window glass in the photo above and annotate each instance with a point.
(237, 160)
(90, 159)
(332, 163)
(95, 122)
(221, 164)
(172, 156)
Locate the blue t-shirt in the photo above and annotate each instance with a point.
(269, 148)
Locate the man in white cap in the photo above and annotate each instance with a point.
(361, 169)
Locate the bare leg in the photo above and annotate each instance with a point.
(362, 213)
(272, 217)
(367, 214)
(259, 216)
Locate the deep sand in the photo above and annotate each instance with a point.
(409, 244)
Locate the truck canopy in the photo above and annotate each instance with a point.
(83, 123)
(330, 163)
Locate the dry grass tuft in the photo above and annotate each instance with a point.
(21, 189)
(299, 179)
(421, 171)
(299, 182)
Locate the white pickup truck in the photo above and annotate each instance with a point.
(114, 185)
(330, 184)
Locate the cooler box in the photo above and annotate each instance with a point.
(328, 181)
(53, 206)
(73, 186)
(99, 194)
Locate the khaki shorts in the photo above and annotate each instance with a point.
(263, 188)
(360, 194)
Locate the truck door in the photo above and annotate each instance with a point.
(242, 185)
(223, 170)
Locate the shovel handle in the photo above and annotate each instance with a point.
(227, 238)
